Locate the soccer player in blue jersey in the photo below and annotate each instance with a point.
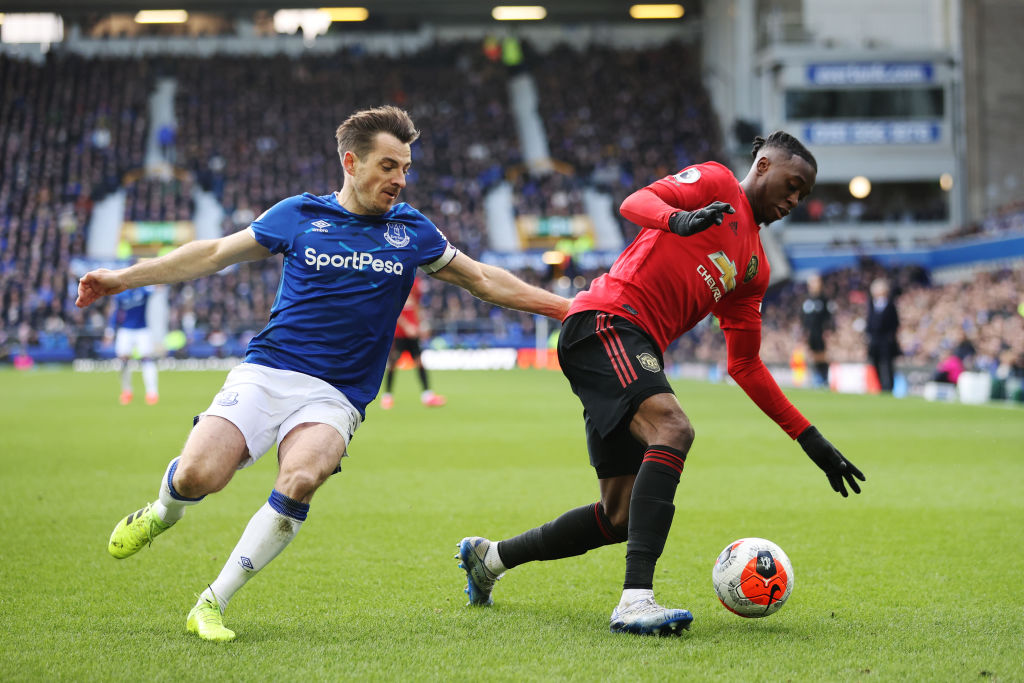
(350, 258)
(132, 334)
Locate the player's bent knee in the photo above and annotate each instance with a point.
(685, 434)
(619, 517)
(675, 431)
(300, 484)
(193, 479)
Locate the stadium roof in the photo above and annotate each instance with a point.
(389, 11)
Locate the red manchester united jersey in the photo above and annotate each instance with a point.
(408, 325)
(665, 283)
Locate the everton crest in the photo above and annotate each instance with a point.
(396, 235)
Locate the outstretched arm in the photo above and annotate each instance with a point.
(746, 367)
(500, 287)
(187, 262)
(654, 207)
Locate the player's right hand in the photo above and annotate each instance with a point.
(686, 223)
(830, 460)
(97, 284)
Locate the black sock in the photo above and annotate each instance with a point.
(423, 378)
(650, 513)
(574, 533)
(822, 370)
(389, 380)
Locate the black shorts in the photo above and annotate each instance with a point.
(410, 344)
(816, 341)
(612, 366)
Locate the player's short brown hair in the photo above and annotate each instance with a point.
(357, 132)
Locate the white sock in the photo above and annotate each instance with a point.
(149, 376)
(167, 507)
(266, 535)
(631, 595)
(426, 394)
(126, 375)
(492, 560)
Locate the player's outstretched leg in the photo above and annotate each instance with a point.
(646, 617)
(207, 621)
(135, 531)
(479, 579)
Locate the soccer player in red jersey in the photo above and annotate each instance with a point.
(407, 338)
(699, 252)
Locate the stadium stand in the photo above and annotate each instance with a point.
(249, 151)
(69, 129)
(589, 102)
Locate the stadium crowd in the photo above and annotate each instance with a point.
(69, 130)
(73, 129)
(589, 103)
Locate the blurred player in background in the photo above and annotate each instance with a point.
(816, 316)
(882, 325)
(350, 260)
(132, 335)
(407, 339)
(699, 252)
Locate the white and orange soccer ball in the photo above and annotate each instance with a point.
(752, 577)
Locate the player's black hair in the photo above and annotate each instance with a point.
(357, 132)
(783, 140)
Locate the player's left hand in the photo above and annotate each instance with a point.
(830, 460)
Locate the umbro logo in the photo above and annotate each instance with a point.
(320, 226)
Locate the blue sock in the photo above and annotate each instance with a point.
(289, 507)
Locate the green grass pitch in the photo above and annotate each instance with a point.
(919, 578)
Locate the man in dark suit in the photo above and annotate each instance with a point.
(883, 322)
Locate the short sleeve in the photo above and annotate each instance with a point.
(437, 251)
(442, 261)
(275, 227)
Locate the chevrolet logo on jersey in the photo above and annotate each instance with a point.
(727, 274)
(751, 269)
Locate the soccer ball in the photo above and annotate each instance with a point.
(752, 577)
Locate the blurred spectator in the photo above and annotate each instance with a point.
(817, 319)
(883, 322)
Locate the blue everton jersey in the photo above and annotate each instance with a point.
(130, 308)
(344, 282)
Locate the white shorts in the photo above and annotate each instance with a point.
(127, 340)
(265, 404)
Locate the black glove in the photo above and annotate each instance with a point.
(688, 223)
(830, 460)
